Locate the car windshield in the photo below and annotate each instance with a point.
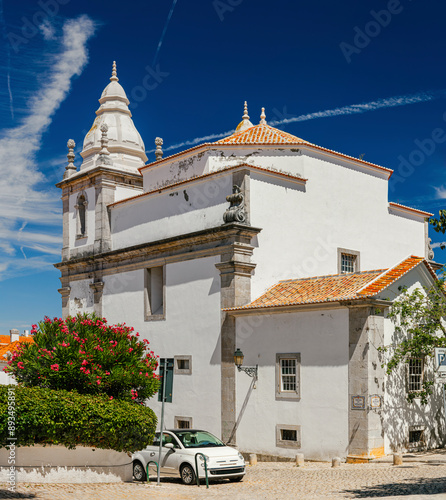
(197, 439)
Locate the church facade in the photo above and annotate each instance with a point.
(262, 242)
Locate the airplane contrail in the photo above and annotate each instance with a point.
(163, 33)
(351, 109)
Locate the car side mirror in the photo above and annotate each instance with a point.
(170, 446)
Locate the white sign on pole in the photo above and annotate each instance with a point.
(440, 360)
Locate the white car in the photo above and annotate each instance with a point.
(178, 456)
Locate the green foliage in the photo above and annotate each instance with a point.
(87, 355)
(46, 416)
(439, 224)
(418, 319)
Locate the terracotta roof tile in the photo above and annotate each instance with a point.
(409, 209)
(261, 134)
(333, 288)
(11, 346)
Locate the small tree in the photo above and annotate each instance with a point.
(418, 318)
(85, 354)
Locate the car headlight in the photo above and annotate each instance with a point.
(241, 456)
(201, 458)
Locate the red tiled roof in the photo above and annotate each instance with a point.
(410, 209)
(11, 346)
(333, 288)
(261, 134)
(394, 274)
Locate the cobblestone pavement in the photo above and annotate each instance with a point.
(271, 480)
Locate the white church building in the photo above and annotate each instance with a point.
(262, 242)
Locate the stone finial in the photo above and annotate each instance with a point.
(245, 114)
(430, 251)
(70, 169)
(114, 77)
(104, 153)
(262, 117)
(158, 150)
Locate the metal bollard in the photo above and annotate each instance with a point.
(300, 460)
(336, 462)
(397, 459)
(252, 459)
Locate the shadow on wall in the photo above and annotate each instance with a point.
(399, 415)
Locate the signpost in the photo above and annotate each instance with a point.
(440, 368)
(164, 395)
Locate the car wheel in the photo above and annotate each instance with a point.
(236, 479)
(138, 471)
(187, 474)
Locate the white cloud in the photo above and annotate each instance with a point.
(440, 192)
(21, 200)
(47, 29)
(438, 245)
(351, 109)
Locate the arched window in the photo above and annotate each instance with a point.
(81, 207)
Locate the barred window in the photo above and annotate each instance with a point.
(288, 376)
(348, 263)
(415, 374)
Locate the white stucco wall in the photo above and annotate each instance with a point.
(5, 379)
(122, 192)
(321, 337)
(193, 207)
(340, 208)
(191, 327)
(81, 297)
(399, 415)
(89, 219)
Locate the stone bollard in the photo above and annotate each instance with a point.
(300, 460)
(336, 462)
(397, 459)
(252, 459)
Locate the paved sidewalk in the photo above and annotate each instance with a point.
(421, 479)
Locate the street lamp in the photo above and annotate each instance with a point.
(238, 360)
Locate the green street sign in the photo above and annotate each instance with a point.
(166, 366)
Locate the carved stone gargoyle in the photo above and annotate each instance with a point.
(236, 210)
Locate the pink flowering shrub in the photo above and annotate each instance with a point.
(86, 355)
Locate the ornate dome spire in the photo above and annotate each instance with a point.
(245, 123)
(127, 151)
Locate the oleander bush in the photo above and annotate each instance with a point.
(38, 415)
(86, 355)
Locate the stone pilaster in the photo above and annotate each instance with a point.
(105, 194)
(97, 287)
(235, 274)
(65, 224)
(366, 378)
(65, 293)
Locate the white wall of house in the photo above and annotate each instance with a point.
(400, 416)
(321, 338)
(122, 192)
(81, 297)
(193, 207)
(5, 379)
(340, 208)
(191, 327)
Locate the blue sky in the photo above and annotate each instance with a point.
(362, 78)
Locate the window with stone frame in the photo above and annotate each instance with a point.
(288, 436)
(183, 365)
(415, 374)
(288, 376)
(81, 215)
(154, 292)
(348, 261)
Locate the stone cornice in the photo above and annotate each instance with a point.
(213, 241)
(95, 172)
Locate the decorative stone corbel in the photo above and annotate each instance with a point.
(236, 210)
